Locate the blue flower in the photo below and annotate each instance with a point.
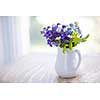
(69, 31)
(71, 25)
(79, 31)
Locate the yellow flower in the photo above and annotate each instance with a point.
(74, 34)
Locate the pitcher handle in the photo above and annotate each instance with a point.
(79, 55)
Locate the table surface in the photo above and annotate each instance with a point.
(40, 68)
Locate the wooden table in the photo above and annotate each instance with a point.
(39, 68)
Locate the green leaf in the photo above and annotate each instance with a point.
(66, 45)
(83, 40)
(86, 37)
(64, 49)
(76, 40)
(70, 44)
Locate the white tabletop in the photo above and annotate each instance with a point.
(40, 68)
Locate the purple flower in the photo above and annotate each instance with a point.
(49, 42)
(58, 24)
(43, 30)
(48, 27)
(67, 38)
(61, 32)
(62, 40)
(47, 34)
(54, 27)
(52, 38)
(55, 43)
(63, 26)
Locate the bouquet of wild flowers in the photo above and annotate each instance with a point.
(64, 36)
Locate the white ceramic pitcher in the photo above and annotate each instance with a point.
(67, 64)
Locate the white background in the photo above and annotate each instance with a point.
(50, 91)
